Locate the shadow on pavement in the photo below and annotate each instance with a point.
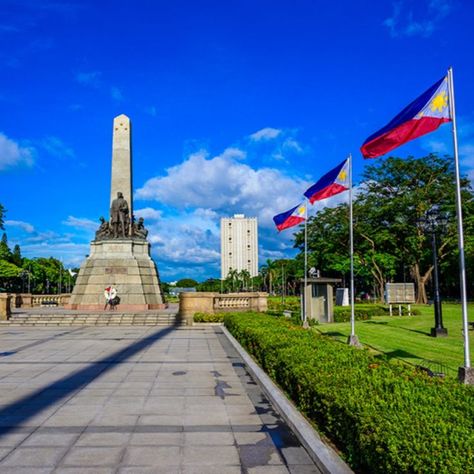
(49, 395)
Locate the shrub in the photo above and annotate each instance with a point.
(384, 417)
(208, 317)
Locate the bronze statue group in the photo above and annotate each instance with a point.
(121, 226)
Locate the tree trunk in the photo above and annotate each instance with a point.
(420, 283)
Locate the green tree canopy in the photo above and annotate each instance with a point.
(186, 283)
(389, 241)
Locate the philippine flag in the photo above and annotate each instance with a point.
(290, 218)
(332, 183)
(422, 116)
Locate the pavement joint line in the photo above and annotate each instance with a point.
(323, 455)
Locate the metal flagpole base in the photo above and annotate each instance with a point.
(354, 341)
(306, 325)
(439, 332)
(466, 375)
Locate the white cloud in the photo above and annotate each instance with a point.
(148, 213)
(187, 237)
(267, 133)
(419, 18)
(56, 147)
(233, 153)
(466, 145)
(225, 185)
(91, 79)
(70, 253)
(20, 224)
(436, 146)
(466, 155)
(292, 144)
(13, 154)
(81, 223)
(116, 94)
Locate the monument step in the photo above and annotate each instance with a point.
(95, 319)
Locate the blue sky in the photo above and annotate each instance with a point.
(236, 107)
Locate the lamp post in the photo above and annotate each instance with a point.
(433, 221)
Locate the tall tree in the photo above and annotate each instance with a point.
(5, 252)
(397, 194)
(388, 238)
(16, 256)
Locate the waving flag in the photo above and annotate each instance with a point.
(290, 218)
(332, 183)
(422, 116)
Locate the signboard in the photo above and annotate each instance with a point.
(398, 293)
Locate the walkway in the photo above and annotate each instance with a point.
(135, 400)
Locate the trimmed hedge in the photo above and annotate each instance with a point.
(208, 317)
(342, 314)
(292, 303)
(384, 417)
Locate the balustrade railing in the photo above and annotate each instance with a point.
(27, 300)
(223, 302)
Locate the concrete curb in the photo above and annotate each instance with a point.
(323, 455)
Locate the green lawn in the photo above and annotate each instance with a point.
(408, 337)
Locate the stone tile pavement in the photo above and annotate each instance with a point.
(136, 400)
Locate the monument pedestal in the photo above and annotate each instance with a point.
(124, 264)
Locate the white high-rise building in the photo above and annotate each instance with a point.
(239, 245)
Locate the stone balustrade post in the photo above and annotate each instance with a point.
(195, 302)
(258, 302)
(26, 300)
(5, 308)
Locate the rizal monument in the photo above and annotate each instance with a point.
(120, 253)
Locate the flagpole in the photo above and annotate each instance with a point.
(462, 267)
(352, 339)
(305, 296)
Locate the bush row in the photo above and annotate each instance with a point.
(363, 312)
(384, 417)
(208, 317)
(291, 303)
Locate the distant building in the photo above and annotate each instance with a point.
(239, 245)
(176, 290)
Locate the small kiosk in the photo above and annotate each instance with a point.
(319, 296)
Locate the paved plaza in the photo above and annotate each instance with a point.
(135, 400)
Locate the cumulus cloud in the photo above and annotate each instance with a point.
(437, 146)
(264, 134)
(70, 253)
(90, 79)
(13, 154)
(57, 148)
(81, 223)
(148, 213)
(191, 237)
(419, 18)
(224, 185)
(21, 225)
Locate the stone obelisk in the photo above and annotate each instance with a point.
(122, 160)
(120, 253)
